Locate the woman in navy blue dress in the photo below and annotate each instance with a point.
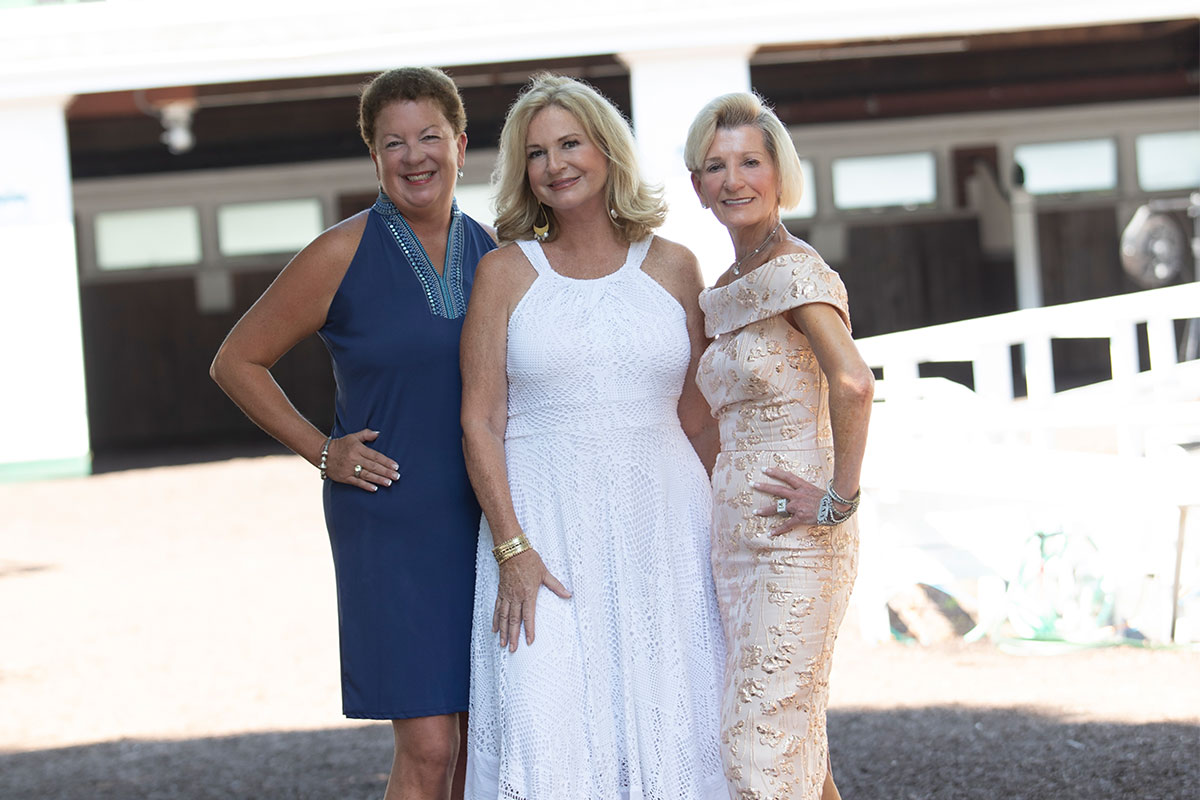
(386, 290)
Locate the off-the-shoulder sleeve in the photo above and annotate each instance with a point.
(783, 283)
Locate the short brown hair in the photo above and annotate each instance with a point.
(409, 83)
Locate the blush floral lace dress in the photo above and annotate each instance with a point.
(781, 599)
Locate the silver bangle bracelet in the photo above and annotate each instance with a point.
(324, 456)
(837, 498)
(828, 515)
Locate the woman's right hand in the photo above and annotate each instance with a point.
(801, 499)
(521, 577)
(349, 451)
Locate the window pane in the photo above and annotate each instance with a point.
(1168, 160)
(151, 237)
(1059, 167)
(275, 226)
(903, 179)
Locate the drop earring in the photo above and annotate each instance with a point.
(541, 232)
(460, 172)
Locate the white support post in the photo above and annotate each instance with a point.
(668, 88)
(993, 372)
(1160, 331)
(1027, 262)
(41, 343)
(1123, 351)
(1039, 368)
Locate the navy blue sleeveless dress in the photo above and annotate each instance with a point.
(404, 556)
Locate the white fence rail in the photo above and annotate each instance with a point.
(957, 479)
(986, 342)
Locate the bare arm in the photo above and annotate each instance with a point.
(679, 272)
(293, 308)
(851, 390)
(500, 281)
(484, 349)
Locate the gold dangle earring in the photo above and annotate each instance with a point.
(542, 232)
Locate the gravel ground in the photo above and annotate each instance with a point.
(171, 633)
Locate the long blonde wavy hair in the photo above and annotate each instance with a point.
(639, 206)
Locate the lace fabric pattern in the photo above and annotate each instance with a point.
(618, 697)
(781, 599)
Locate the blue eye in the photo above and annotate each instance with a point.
(570, 143)
(712, 168)
(532, 154)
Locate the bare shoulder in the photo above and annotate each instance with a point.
(794, 245)
(338, 242)
(319, 267)
(297, 301)
(503, 276)
(675, 267)
(505, 262)
(672, 255)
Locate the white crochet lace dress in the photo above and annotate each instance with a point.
(618, 698)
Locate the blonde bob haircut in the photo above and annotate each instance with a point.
(733, 111)
(638, 207)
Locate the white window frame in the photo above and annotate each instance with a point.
(207, 190)
(822, 143)
(1104, 192)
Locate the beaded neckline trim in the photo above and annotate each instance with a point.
(444, 292)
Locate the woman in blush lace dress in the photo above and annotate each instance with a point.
(578, 355)
(792, 398)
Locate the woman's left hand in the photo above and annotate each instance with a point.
(521, 578)
(802, 500)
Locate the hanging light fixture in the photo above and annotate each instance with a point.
(176, 118)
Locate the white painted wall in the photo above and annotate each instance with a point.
(42, 402)
(668, 88)
(124, 44)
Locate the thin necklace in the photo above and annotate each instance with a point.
(737, 265)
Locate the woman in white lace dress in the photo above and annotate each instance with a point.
(578, 358)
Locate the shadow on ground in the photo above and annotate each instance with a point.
(338, 764)
(908, 754)
(953, 753)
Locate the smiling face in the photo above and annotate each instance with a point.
(738, 179)
(566, 169)
(417, 156)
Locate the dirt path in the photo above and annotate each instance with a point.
(171, 633)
